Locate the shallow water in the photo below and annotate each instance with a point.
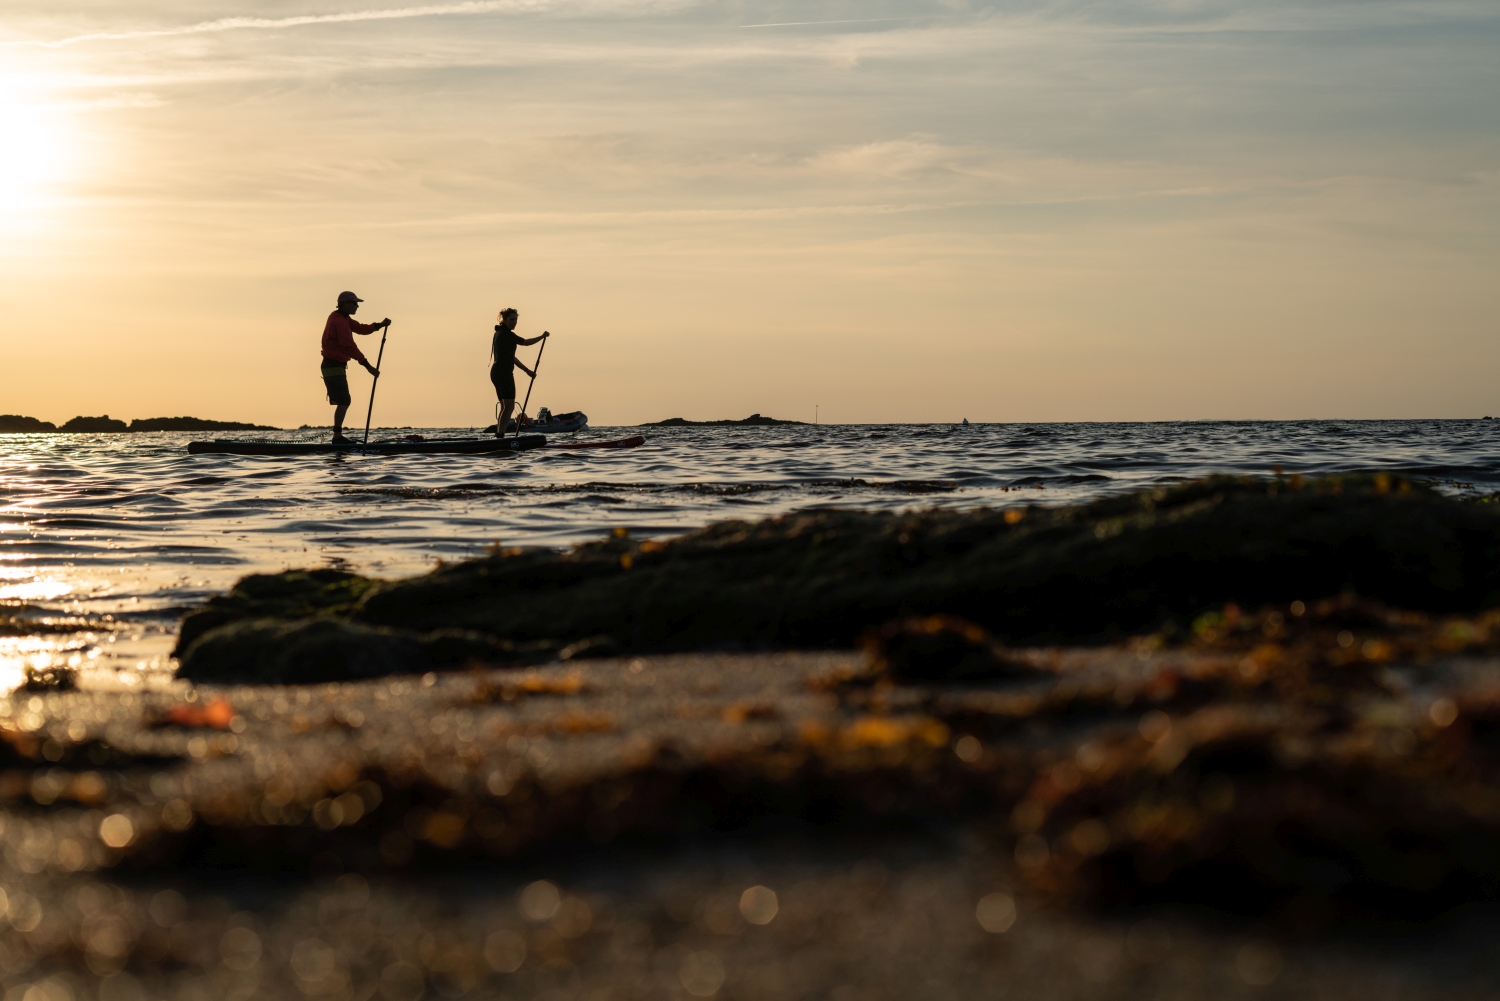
(126, 531)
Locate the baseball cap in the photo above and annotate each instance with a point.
(349, 297)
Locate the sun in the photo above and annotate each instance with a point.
(33, 148)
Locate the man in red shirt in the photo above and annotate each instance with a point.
(338, 349)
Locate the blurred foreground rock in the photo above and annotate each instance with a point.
(1257, 812)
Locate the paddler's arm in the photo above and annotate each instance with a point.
(372, 328)
(528, 342)
(523, 368)
(359, 357)
(347, 342)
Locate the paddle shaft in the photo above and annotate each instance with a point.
(379, 357)
(534, 370)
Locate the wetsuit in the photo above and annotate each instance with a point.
(503, 371)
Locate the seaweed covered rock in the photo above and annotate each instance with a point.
(822, 579)
(294, 627)
(295, 594)
(323, 648)
(302, 650)
(1115, 566)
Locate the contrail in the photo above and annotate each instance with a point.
(852, 20)
(239, 23)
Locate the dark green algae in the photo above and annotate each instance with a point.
(1118, 566)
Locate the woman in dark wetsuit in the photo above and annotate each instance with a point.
(504, 363)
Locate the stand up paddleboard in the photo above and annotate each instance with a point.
(411, 445)
(568, 446)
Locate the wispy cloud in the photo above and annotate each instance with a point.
(270, 23)
(893, 158)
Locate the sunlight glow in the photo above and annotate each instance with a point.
(33, 148)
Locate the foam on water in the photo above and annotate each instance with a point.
(126, 531)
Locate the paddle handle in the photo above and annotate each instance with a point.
(379, 357)
(534, 370)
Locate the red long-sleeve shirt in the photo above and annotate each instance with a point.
(338, 337)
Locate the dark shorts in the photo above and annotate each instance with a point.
(504, 378)
(336, 378)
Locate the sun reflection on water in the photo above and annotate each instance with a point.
(35, 590)
(94, 658)
(23, 656)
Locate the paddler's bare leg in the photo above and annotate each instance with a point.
(338, 424)
(506, 406)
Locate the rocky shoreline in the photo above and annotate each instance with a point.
(16, 424)
(1236, 737)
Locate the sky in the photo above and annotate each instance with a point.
(883, 211)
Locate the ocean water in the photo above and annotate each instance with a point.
(110, 538)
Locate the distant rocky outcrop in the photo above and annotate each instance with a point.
(193, 424)
(16, 424)
(754, 420)
(94, 425)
